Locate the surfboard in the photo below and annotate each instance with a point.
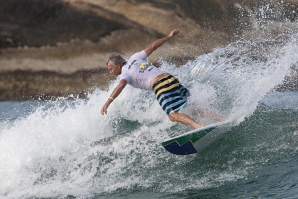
(196, 140)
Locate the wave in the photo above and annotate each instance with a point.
(62, 148)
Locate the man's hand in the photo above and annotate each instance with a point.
(173, 33)
(115, 93)
(104, 109)
(152, 47)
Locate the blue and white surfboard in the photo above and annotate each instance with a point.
(196, 140)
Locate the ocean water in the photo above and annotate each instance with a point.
(67, 149)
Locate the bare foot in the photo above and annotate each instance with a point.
(197, 126)
(210, 114)
(220, 119)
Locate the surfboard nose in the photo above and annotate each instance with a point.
(184, 149)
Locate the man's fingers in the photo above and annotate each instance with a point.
(103, 111)
(175, 32)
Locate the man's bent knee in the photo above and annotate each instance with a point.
(173, 117)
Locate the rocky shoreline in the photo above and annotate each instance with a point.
(58, 48)
(22, 85)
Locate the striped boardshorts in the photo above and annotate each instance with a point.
(170, 94)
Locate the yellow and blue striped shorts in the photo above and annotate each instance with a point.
(170, 94)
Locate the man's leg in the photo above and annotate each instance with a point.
(185, 119)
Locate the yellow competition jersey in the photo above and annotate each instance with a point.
(138, 72)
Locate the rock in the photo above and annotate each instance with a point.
(54, 40)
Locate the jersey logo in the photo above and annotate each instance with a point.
(144, 67)
(131, 64)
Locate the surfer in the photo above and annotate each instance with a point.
(137, 72)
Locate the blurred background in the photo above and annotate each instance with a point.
(58, 48)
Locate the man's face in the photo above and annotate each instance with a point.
(114, 70)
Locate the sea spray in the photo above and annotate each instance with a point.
(242, 74)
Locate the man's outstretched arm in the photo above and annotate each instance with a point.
(152, 47)
(115, 93)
